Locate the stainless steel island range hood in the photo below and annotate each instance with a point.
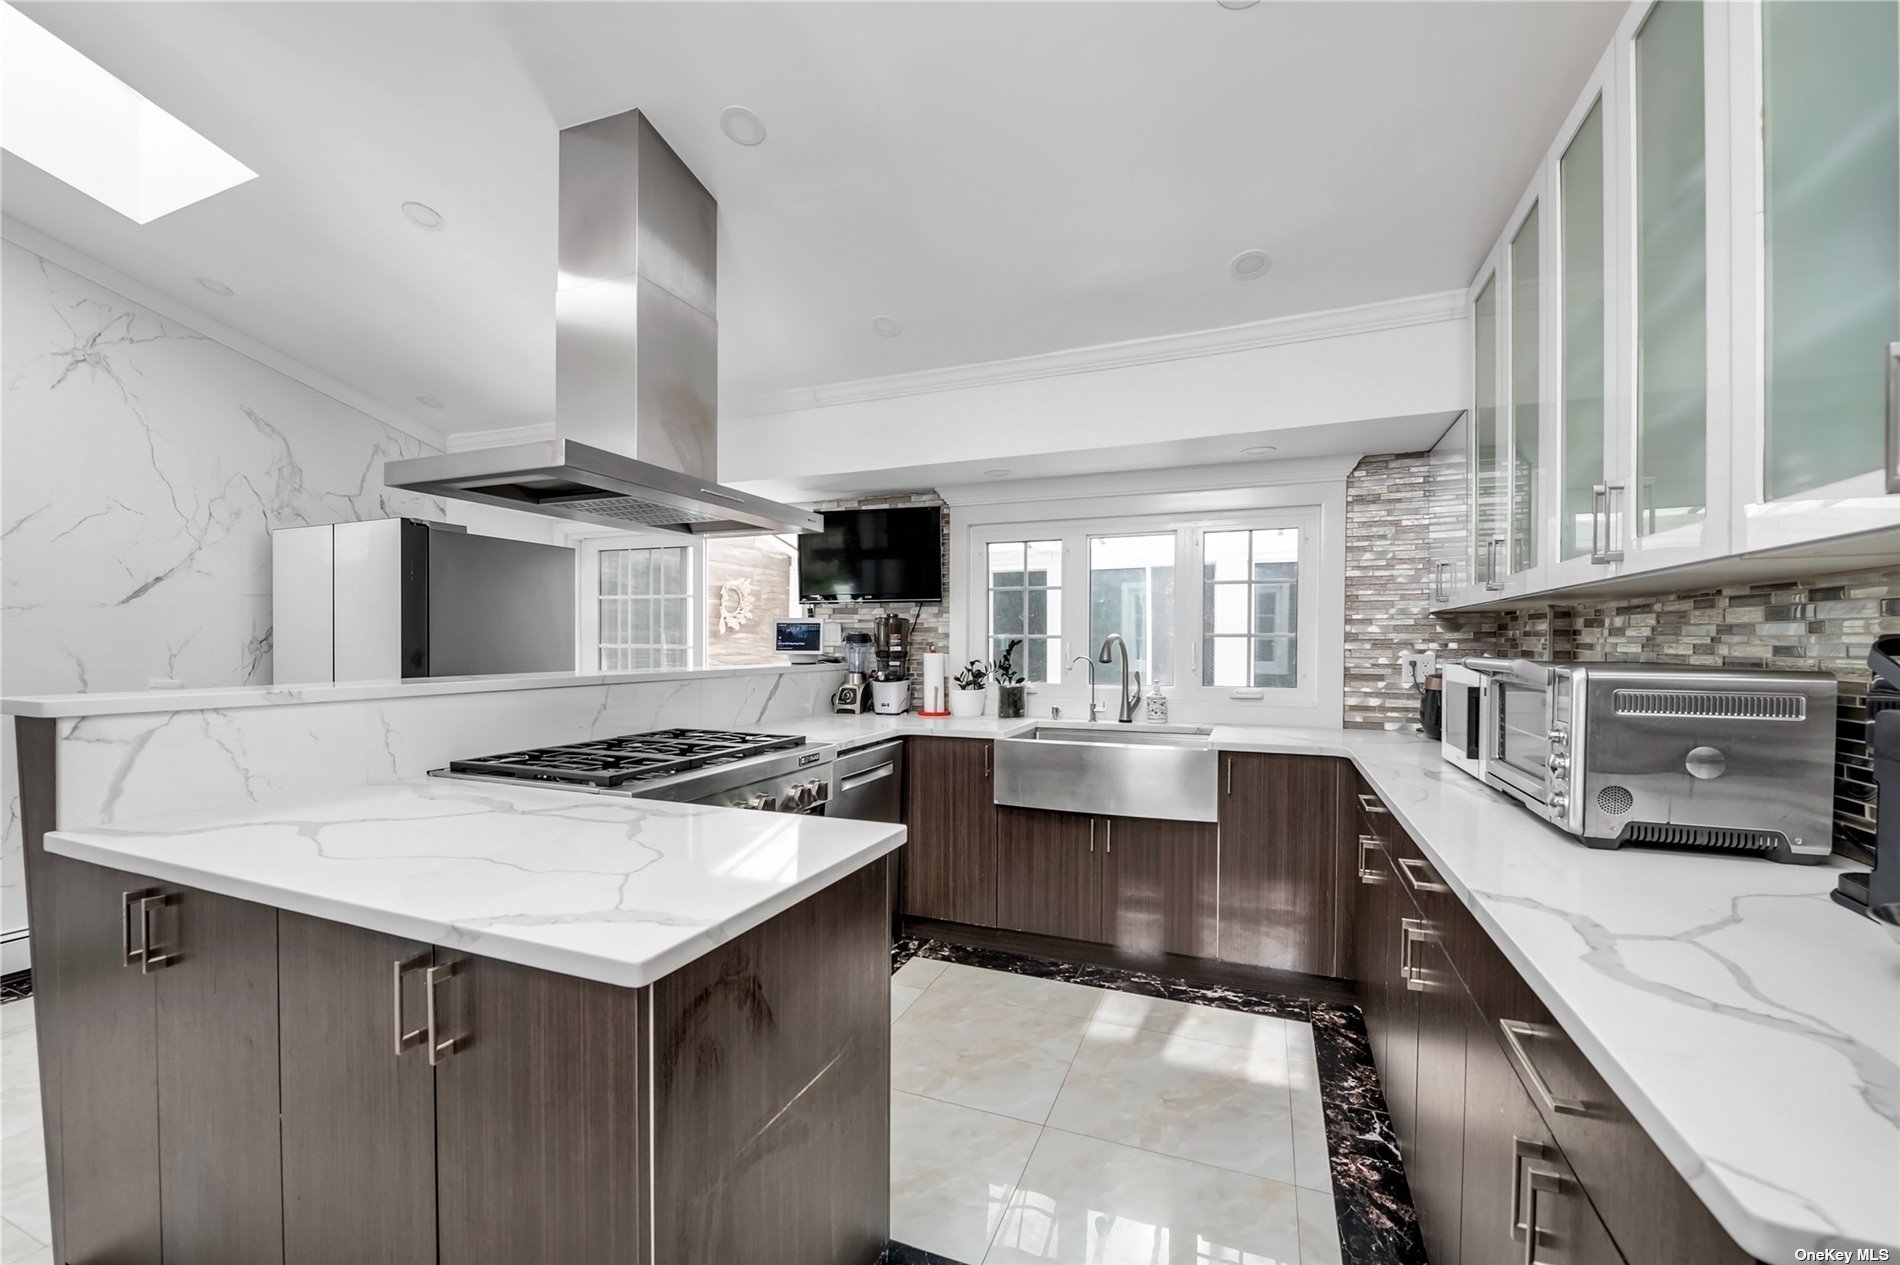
(636, 339)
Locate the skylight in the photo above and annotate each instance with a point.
(75, 121)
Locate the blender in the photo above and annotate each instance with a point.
(860, 660)
(890, 684)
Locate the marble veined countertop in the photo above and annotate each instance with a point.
(607, 888)
(1750, 1024)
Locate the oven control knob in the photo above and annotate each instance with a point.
(1559, 763)
(758, 803)
(1559, 737)
(1559, 805)
(797, 798)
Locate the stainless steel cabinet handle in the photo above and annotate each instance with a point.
(1491, 580)
(148, 913)
(856, 780)
(986, 759)
(1515, 1031)
(129, 902)
(1371, 803)
(398, 969)
(1366, 873)
(439, 1049)
(1542, 1181)
(1229, 762)
(1601, 536)
(1411, 867)
(1108, 836)
(1893, 417)
(1440, 591)
(1520, 1152)
(1415, 931)
(1091, 834)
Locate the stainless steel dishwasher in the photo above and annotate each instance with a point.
(868, 784)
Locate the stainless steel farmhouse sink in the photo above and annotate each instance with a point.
(1114, 770)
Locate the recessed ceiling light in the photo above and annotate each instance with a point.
(1250, 264)
(422, 216)
(216, 287)
(1258, 449)
(1238, 4)
(428, 401)
(742, 125)
(886, 327)
(994, 474)
(82, 125)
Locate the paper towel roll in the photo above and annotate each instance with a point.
(936, 701)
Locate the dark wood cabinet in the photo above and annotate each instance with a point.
(950, 859)
(1438, 1108)
(358, 1111)
(220, 1181)
(1160, 884)
(1279, 861)
(108, 1044)
(1049, 873)
(536, 1115)
(168, 1017)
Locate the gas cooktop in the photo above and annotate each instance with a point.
(611, 762)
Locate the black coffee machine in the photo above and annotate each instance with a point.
(1876, 893)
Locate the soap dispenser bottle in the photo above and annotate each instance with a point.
(1157, 705)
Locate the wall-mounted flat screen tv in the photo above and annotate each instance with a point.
(886, 555)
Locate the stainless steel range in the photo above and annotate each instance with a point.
(769, 772)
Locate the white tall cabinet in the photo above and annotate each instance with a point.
(1684, 340)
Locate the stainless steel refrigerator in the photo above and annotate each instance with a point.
(401, 597)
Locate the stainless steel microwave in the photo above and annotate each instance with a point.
(1619, 753)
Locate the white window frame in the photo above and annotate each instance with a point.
(587, 589)
(1071, 693)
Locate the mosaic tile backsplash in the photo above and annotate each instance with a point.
(1821, 624)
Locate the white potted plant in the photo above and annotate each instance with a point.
(967, 694)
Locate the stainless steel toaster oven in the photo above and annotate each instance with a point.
(1621, 753)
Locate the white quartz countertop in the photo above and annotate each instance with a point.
(607, 888)
(225, 697)
(1750, 1024)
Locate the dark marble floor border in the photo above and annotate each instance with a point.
(1377, 1224)
(16, 985)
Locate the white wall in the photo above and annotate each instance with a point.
(1397, 360)
(142, 466)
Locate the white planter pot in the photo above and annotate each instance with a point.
(967, 702)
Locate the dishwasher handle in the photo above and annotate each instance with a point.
(870, 775)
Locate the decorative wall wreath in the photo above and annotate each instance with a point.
(735, 604)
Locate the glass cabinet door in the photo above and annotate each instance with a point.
(1671, 274)
(1487, 440)
(1526, 348)
(1830, 162)
(1583, 272)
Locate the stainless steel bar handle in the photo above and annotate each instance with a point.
(986, 759)
(1415, 931)
(1366, 873)
(1371, 803)
(1491, 581)
(1601, 535)
(1091, 834)
(148, 912)
(1893, 417)
(1520, 1152)
(134, 954)
(1411, 867)
(439, 1049)
(1108, 837)
(1405, 950)
(1515, 1032)
(397, 969)
(1542, 1181)
(1441, 592)
(1229, 761)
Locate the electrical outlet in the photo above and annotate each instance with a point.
(1416, 665)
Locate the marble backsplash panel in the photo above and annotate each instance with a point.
(122, 768)
(142, 466)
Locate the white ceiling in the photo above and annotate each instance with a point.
(1003, 179)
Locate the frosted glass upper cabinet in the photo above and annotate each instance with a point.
(1490, 456)
(1517, 564)
(1816, 265)
(1587, 512)
(1672, 218)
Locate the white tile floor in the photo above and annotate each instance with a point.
(1031, 1120)
(1037, 1120)
(26, 1224)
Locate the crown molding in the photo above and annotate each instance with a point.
(1422, 309)
(1217, 478)
(81, 264)
(471, 440)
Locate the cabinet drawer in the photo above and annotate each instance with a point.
(1372, 816)
(1649, 1209)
